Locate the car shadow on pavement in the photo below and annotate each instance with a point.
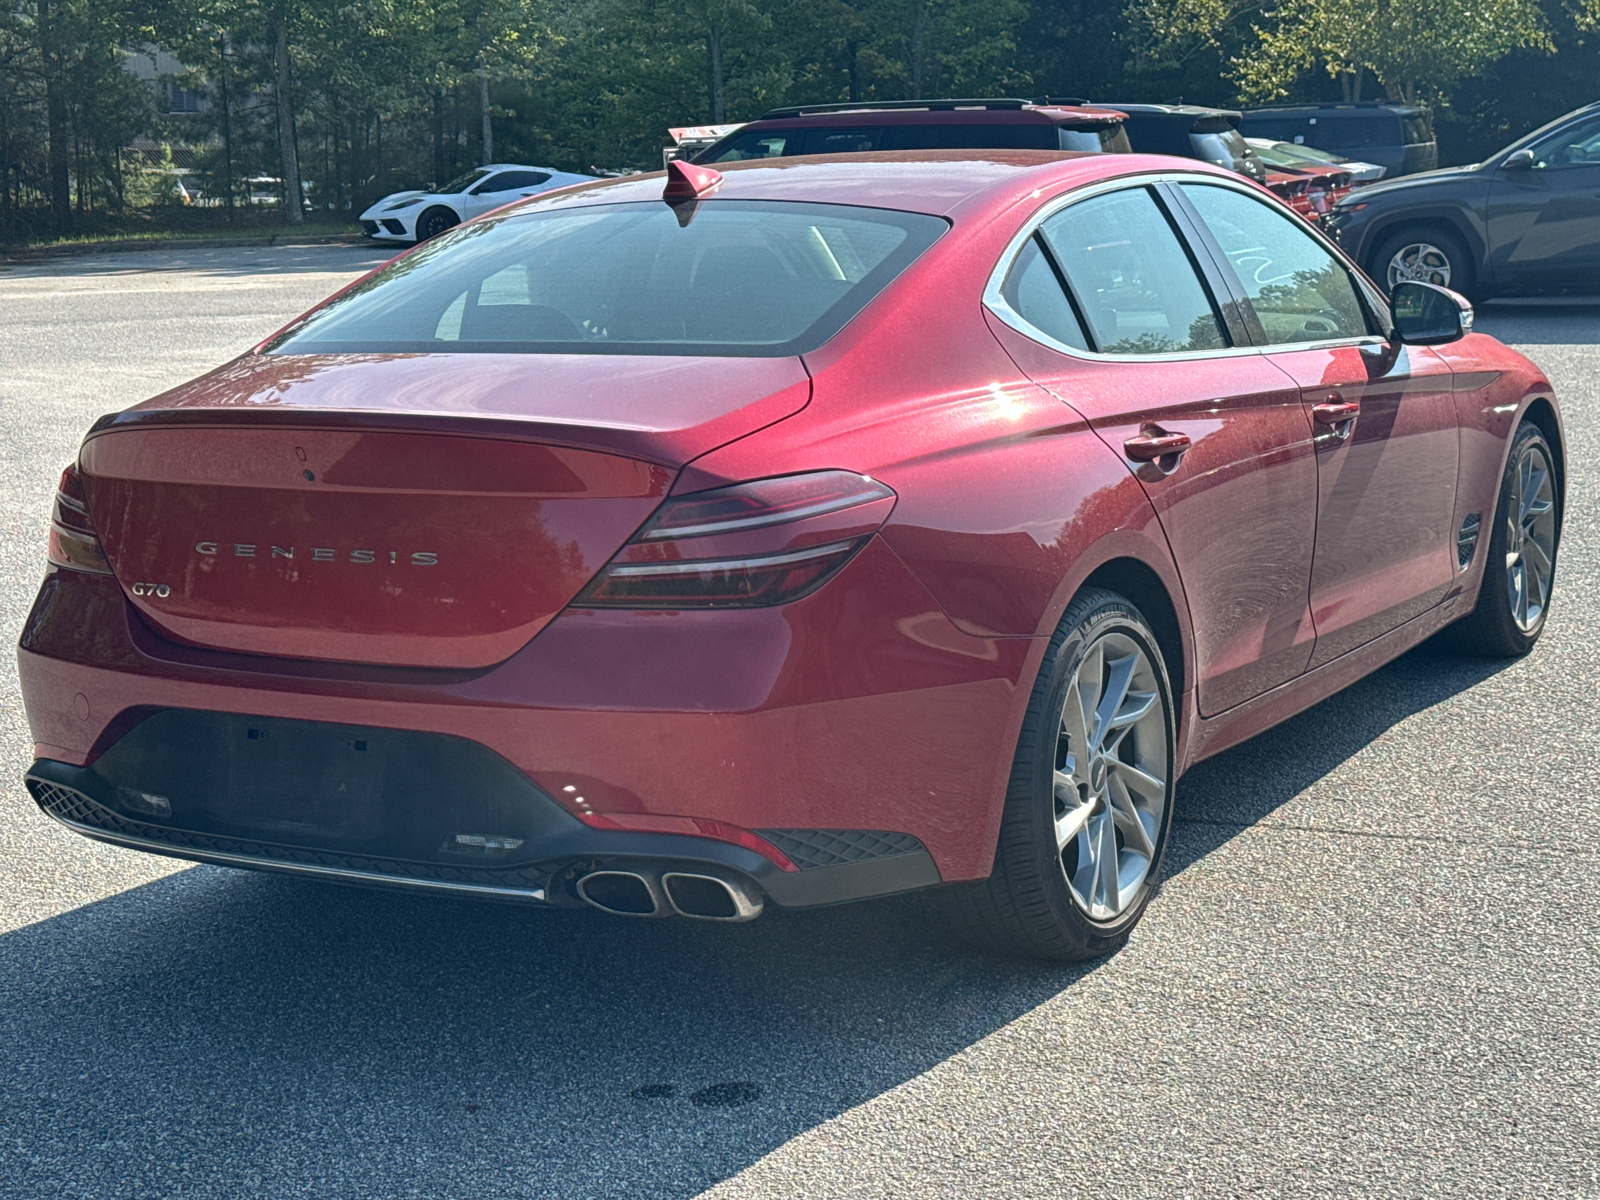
(227, 1033)
(1532, 323)
(1247, 784)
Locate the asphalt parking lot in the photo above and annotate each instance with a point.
(1373, 970)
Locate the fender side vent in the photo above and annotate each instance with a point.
(1467, 540)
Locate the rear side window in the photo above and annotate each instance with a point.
(1033, 291)
(1107, 139)
(1131, 276)
(1300, 292)
(508, 181)
(1418, 130)
(748, 278)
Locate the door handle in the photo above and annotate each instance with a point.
(1148, 447)
(1341, 414)
(1336, 412)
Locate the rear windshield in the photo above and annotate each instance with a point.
(1096, 139)
(747, 278)
(863, 139)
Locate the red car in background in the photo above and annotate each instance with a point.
(1310, 191)
(800, 533)
(980, 124)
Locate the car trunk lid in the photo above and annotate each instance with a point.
(407, 511)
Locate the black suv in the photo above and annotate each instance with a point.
(1524, 221)
(992, 124)
(1399, 137)
(1189, 131)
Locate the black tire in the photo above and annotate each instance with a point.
(435, 221)
(1492, 628)
(1459, 262)
(1026, 907)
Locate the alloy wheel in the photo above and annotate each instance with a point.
(1420, 261)
(1530, 537)
(1109, 785)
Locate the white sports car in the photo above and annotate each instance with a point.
(418, 216)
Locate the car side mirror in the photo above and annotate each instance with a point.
(1522, 160)
(1426, 314)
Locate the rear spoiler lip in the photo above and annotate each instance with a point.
(630, 441)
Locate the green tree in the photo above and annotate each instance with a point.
(1416, 48)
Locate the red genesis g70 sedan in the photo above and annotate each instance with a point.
(813, 530)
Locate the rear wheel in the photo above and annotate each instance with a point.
(1427, 255)
(1090, 800)
(434, 222)
(1520, 563)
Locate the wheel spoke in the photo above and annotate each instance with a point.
(1107, 886)
(1533, 554)
(1070, 823)
(1128, 819)
(1119, 680)
(1529, 493)
(1142, 782)
(1134, 708)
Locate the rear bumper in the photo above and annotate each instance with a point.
(858, 708)
(406, 810)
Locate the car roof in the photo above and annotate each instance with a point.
(938, 182)
(1355, 107)
(1173, 110)
(934, 112)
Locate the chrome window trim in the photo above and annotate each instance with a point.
(994, 299)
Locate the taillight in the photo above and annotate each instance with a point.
(752, 545)
(73, 541)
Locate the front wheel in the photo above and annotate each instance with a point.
(1090, 800)
(1425, 255)
(1520, 564)
(434, 222)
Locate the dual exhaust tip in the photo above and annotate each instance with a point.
(704, 893)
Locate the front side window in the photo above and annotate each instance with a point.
(1577, 146)
(747, 278)
(462, 183)
(1300, 292)
(510, 181)
(1131, 276)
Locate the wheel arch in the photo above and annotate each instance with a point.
(1543, 414)
(1139, 583)
(1453, 219)
(430, 210)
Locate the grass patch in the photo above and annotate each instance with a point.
(179, 225)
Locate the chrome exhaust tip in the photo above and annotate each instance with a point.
(708, 897)
(623, 893)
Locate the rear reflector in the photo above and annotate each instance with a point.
(73, 541)
(752, 545)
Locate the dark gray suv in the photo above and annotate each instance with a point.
(1525, 221)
